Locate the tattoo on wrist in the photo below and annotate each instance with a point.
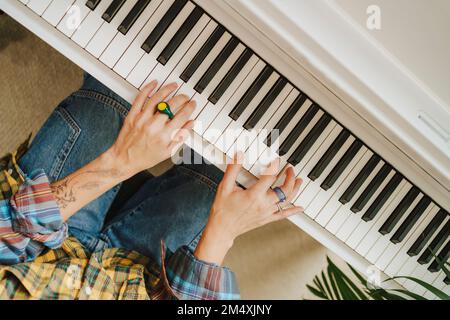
(64, 191)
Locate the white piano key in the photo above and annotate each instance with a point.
(174, 76)
(162, 72)
(108, 31)
(344, 211)
(263, 124)
(391, 251)
(39, 6)
(73, 18)
(56, 11)
(222, 120)
(121, 42)
(403, 263)
(237, 126)
(208, 113)
(353, 220)
(324, 196)
(383, 242)
(134, 52)
(149, 60)
(363, 227)
(90, 24)
(373, 235)
(313, 188)
(258, 146)
(333, 204)
(188, 87)
(307, 164)
(24, 1)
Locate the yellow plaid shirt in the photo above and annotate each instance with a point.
(69, 272)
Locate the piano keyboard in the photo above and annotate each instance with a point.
(348, 189)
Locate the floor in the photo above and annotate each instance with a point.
(272, 262)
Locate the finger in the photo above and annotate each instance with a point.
(232, 172)
(181, 136)
(294, 193)
(287, 186)
(288, 212)
(183, 116)
(160, 95)
(139, 102)
(268, 177)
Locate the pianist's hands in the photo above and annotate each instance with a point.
(148, 137)
(236, 211)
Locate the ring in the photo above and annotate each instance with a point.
(280, 194)
(163, 107)
(280, 209)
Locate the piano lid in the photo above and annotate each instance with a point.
(324, 39)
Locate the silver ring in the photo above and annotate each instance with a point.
(280, 209)
(280, 194)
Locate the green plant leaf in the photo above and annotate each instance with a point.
(438, 293)
(347, 287)
(385, 295)
(327, 287)
(316, 292)
(410, 294)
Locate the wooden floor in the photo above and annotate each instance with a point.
(273, 262)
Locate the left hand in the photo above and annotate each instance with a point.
(149, 137)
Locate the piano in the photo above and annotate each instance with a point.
(372, 144)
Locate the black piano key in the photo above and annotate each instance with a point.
(216, 65)
(310, 139)
(297, 131)
(381, 199)
(92, 4)
(442, 258)
(329, 155)
(399, 211)
(180, 35)
(286, 118)
(447, 280)
(251, 92)
(359, 180)
(112, 10)
(261, 109)
(435, 245)
(230, 76)
(410, 220)
(162, 25)
(371, 188)
(341, 165)
(202, 53)
(132, 16)
(422, 240)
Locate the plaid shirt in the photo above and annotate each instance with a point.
(38, 261)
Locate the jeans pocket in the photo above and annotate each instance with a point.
(52, 144)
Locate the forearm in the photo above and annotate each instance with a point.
(87, 184)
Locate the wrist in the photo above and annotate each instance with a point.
(214, 245)
(110, 161)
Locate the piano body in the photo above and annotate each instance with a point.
(371, 143)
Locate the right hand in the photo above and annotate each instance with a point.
(236, 211)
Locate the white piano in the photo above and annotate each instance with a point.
(370, 141)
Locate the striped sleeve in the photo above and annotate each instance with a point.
(184, 277)
(30, 221)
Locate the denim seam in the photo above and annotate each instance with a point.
(99, 97)
(212, 185)
(68, 145)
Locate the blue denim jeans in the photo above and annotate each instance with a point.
(173, 207)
